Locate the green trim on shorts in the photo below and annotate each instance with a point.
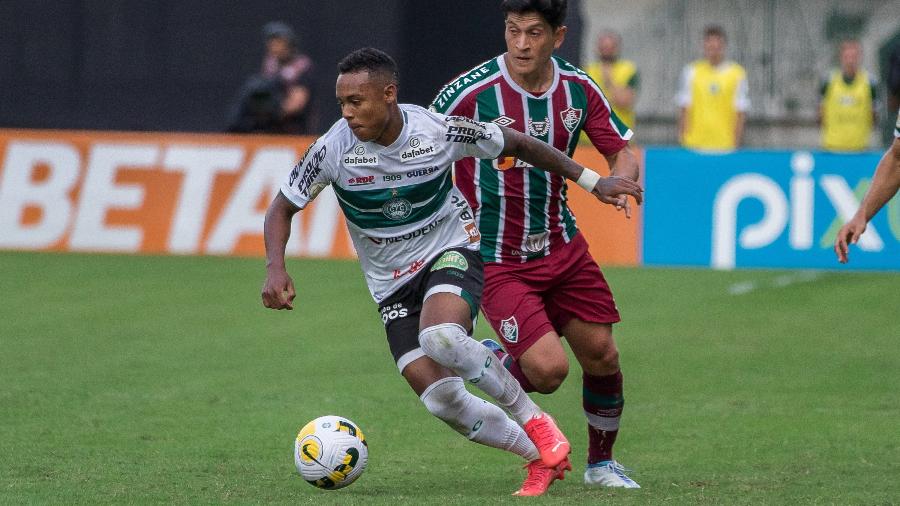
(473, 307)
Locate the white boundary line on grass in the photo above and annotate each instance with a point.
(782, 281)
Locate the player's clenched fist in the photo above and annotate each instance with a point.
(278, 291)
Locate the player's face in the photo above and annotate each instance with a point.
(530, 42)
(365, 103)
(714, 48)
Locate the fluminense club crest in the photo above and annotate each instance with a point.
(570, 118)
(509, 329)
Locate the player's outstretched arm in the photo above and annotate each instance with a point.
(624, 163)
(609, 190)
(278, 290)
(884, 186)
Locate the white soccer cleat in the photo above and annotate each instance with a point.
(608, 473)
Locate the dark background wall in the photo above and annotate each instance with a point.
(176, 65)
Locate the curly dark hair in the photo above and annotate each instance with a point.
(553, 11)
(371, 60)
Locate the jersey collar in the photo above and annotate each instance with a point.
(400, 141)
(509, 80)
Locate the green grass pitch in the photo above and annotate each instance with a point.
(132, 380)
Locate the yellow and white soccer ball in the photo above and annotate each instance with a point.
(330, 452)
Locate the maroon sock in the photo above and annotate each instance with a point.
(512, 365)
(602, 401)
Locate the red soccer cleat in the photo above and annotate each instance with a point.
(540, 476)
(549, 440)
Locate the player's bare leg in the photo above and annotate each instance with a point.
(445, 322)
(542, 367)
(424, 372)
(545, 363)
(596, 351)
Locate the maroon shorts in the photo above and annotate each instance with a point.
(525, 301)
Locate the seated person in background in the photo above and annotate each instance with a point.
(277, 100)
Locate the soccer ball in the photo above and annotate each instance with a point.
(330, 452)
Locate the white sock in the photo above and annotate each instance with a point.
(449, 345)
(475, 418)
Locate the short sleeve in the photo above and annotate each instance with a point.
(742, 96)
(683, 97)
(311, 174)
(603, 127)
(634, 82)
(467, 137)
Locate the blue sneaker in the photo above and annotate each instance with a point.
(608, 473)
(498, 351)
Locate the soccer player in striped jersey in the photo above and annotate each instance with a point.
(389, 165)
(540, 280)
(885, 185)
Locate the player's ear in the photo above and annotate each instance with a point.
(559, 35)
(390, 92)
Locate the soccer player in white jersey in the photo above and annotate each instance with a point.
(885, 185)
(540, 280)
(389, 165)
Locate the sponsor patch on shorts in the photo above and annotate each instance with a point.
(451, 260)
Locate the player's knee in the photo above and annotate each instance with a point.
(609, 359)
(547, 376)
(448, 344)
(446, 400)
(441, 340)
(601, 361)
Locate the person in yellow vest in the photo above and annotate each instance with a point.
(847, 110)
(713, 98)
(617, 77)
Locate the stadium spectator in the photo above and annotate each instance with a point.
(885, 184)
(713, 98)
(847, 111)
(618, 78)
(278, 99)
(390, 167)
(540, 280)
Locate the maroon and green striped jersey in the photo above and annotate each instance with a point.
(521, 210)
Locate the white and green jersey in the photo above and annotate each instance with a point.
(399, 200)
